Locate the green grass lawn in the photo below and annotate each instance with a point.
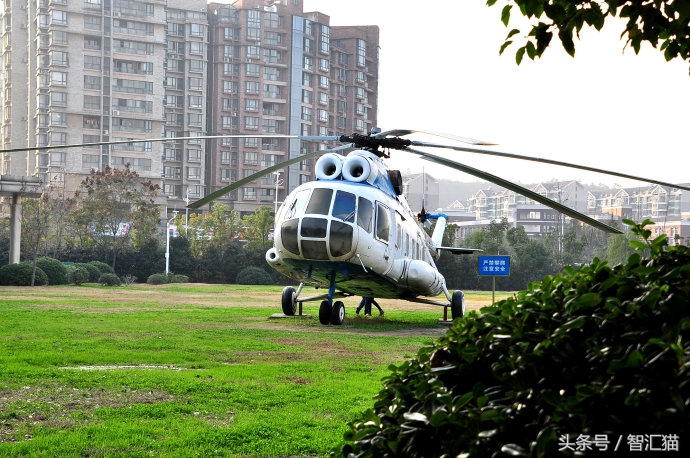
(190, 370)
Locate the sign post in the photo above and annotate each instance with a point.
(494, 266)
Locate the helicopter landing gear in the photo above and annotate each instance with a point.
(332, 315)
(289, 301)
(457, 305)
(325, 313)
(338, 313)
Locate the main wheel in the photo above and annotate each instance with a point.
(289, 301)
(338, 313)
(457, 304)
(325, 313)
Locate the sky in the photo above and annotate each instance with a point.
(440, 70)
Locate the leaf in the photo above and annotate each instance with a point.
(505, 14)
(566, 36)
(519, 55)
(512, 33)
(416, 416)
(504, 46)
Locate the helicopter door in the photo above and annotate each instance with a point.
(384, 236)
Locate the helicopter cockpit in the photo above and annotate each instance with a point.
(321, 222)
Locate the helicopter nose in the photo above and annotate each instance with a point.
(317, 238)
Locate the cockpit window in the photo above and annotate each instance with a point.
(320, 201)
(298, 204)
(383, 222)
(344, 206)
(364, 213)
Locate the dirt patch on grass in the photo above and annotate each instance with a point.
(29, 408)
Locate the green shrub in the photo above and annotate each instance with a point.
(179, 278)
(596, 351)
(77, 274)
(253, 276)
(157, 279)
(20, 275)
(54, 269)
(94, 272)
(109, 280)
(102, 267)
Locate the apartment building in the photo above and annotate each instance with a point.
(653, 202)
(118, 70)
(277, 70)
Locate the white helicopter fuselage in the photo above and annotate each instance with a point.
(349, 230)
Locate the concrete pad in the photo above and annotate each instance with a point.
(282, 315)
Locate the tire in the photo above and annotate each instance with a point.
(338, 313)
(325, 313)
(457, 305)
(289, 301)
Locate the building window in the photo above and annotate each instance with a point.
(92, 43)
(59, 17)
(252, 87)
(92, 122)
(58, 78)
(361, 53)
(251, 158)
(197, 30)
(58, 99)
(196, 101)
(59, 58)
(196, 47)
(89, 161)
(253, 70)
(92, 62)
(92, 22)
(92, 82)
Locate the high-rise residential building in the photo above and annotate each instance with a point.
(99, 71)
(185, 89)
(119, 70)
(276, 70)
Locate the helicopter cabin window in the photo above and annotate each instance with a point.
(344, 206)
(383, 222)
(320, 201)
(298, 204)
(364, 213)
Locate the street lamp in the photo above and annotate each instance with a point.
(167, 242)
(186, 210)
(278, 182)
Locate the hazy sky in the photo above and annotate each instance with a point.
(607, 107)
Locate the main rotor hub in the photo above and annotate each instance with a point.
(376, 144)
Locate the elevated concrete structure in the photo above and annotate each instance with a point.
(16, 187)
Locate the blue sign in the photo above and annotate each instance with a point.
(497, 266)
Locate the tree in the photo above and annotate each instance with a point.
(35, 228)
(663, 23)
(596, 350)
(115, 208)
(257, 226)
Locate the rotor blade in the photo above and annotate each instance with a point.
(244, 181)
(403, 132)
(323, 138)
(552, 162)
(516, 188)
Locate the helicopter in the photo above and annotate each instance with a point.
(352, 232)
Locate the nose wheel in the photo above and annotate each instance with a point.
(289, 301)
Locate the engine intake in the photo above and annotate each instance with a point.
(357, 168)
(329, 166)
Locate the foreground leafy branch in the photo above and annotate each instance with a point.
(595, 351)
(662, 23)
